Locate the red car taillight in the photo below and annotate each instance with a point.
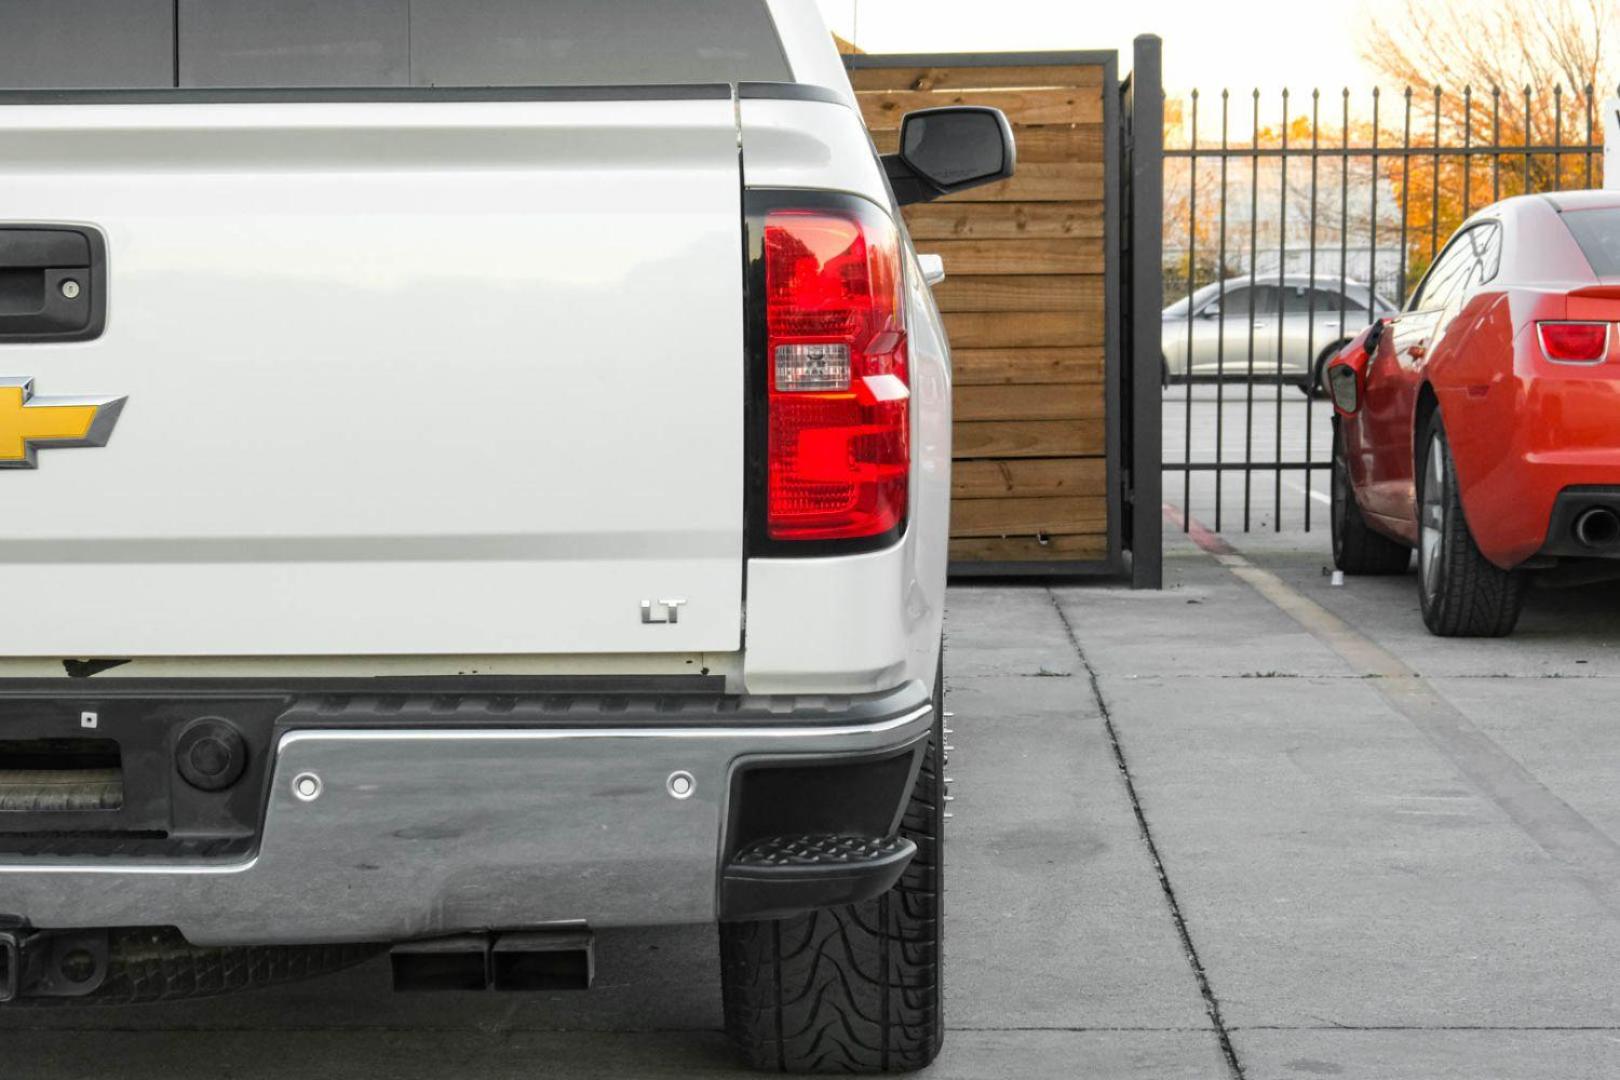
(838, 389)
(1574, 342)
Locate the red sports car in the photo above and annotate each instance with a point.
(1481, 425)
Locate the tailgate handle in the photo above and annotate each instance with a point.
(53, 283)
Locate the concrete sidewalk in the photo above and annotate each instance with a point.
(1413, 874)
(1407, 875)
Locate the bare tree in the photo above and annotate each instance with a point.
(1530, 73)
(1512, 46)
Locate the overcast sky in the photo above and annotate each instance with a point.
(1208, 44)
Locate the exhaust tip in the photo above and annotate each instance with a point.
(1597, 527)
(539, 960)
(458, 963)
(544, 961)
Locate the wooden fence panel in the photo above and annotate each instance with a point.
(1023, 299)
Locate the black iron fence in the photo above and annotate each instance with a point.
(1288, 227)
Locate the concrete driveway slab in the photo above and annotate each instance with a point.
(1429, 1055)
(1564, 730)
(1205, 622)
(1007, 629)
(427, 1055)
(1335, 870)
(1055, 914)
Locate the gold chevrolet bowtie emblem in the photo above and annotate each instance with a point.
(29, 423)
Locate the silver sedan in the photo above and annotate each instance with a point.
(1242, 328)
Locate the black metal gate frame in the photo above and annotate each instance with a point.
(1495, 151)
(1141, 413)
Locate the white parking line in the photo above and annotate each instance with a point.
(1313, 493)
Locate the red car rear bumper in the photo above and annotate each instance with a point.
(1522, 440)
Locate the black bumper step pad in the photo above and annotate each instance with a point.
(784, 875)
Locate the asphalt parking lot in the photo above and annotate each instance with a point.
(1383, 856)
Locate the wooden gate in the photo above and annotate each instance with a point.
(1032, 303)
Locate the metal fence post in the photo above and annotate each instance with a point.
(1146, 283)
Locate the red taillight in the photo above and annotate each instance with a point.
(1574, 342)
(838, 397)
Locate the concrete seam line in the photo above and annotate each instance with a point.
(1212, 1004)
(1586, 852)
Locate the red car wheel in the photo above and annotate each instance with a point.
(1462, 593)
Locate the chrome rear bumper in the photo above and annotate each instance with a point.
(378, 834)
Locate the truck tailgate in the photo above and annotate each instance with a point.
(402, 378)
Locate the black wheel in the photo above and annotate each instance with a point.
(1462, 593)
(146, 966)
(1357, 549)
(854, 989)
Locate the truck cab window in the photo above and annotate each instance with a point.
(223, 44)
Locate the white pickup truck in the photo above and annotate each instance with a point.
(474, 473)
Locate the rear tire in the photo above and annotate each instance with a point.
(1357, 549)
(854, 989)
(1462, 593)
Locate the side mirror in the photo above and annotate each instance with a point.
(1211, 310)
(943, 151)
(1347, 372)
(1344, 379)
